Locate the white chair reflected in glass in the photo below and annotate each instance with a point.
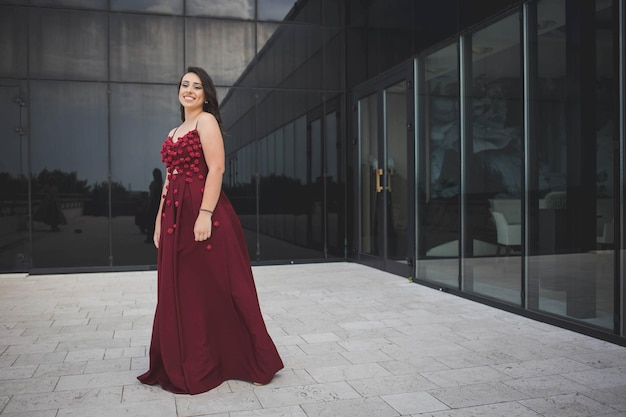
(605, 238)
(509, 236)
(506, 216)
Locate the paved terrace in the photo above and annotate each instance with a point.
(355, 342)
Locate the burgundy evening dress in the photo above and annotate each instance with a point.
(207, 326)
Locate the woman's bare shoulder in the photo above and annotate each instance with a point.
(207, 123)
(207, 119)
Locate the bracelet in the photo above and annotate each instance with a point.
(207, 210)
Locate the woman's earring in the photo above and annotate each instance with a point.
(206, 102)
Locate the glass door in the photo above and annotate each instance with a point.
(385, 142)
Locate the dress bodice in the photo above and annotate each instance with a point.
(184, 157)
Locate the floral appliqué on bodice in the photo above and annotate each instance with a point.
(184, 157)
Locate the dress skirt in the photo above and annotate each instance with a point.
(208, 326)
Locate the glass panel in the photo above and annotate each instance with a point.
(77, 38)
(288, 133)
(332, 147)
(301, 155)
(295, 59)
(264, 31)
(316, 184)
(149, 6)
(242, 9)
(274, 9)
(471, 12)
(70, 189)
(316, 150)
(278, 119)
(136, 139)
(396, 171)
(134, 56)
(308, 12)
(14, 252)
(370, 174)
(606, 127)
(301, 150)
(13, 41)
(232, 42)
(572, 269)
(279, 149)
(243, 194)
(283, 156)
(333, 55)
(494, 163)
(333, 12)
(438, 206)
(334, 188)
(84, 4)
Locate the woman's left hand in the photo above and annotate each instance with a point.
(202, 228)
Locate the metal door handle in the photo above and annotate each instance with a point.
(379, 173)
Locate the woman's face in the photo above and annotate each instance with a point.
(191, 91)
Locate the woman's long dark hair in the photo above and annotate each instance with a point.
(210, 95)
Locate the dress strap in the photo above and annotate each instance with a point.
(174, 134)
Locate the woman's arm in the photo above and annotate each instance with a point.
(157, 221)
(213, 150)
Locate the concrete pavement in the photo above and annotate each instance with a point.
(355, 342)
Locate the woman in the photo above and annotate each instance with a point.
(207, 326)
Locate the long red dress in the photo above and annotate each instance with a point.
(207, 326)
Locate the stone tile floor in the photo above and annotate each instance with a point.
(355, 342)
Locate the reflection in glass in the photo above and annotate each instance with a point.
(150, 6)
(317, 184)
(282, 208)
(14, 252)
(334, 188)
(301, 150)
(87, 4)
(274, 9)
(571, 270)
(242, 193)
(69, 169)
(242, 9)
(146, 48)
(369, 165)
(294, 61)
(136, 139)
(396, 171)
(264, 32)
(438, 210)
(13, 41)
(493, 163)
(301, 178)
(223, 48)
(77, 38)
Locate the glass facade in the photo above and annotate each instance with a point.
(473, 146)
(518, 162)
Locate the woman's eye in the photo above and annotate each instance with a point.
(197, 87)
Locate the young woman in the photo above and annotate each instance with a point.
(207, 326)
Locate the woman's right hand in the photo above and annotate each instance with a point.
(157, 234)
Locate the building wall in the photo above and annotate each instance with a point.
(88, 93)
